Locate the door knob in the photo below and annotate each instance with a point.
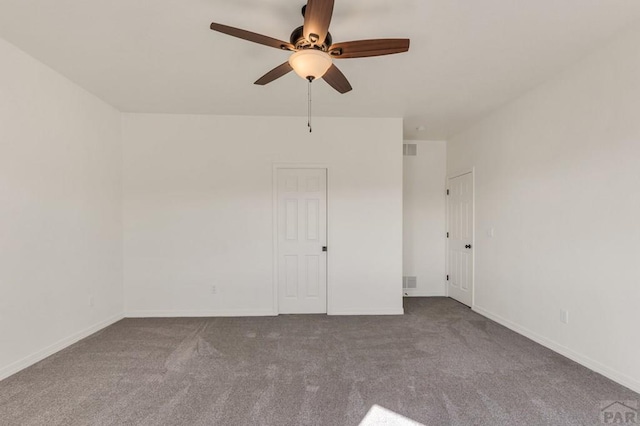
(468, 246)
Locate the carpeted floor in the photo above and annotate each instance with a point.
(439, 364)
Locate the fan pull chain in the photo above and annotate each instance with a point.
(309, 107)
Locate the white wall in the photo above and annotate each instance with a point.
(198, 206)
(60, 211)
(558, 177)
(424, 218)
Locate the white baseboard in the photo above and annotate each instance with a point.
(269, 313)
(583, 360)
(29, 360)
(367, 312)
(198, 314)
(409, 293)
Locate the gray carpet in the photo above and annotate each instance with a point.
(439, 364)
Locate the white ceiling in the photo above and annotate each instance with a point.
(467, 57)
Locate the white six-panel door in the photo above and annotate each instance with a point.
(302, 234)
(460, 248)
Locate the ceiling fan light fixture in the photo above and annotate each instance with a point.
(310, 63)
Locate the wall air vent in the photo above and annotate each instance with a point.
(409, 283)
(410, 149)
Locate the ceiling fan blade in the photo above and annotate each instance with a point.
(366, 48)
(274, 74)
(254, 37)
(317, 17)
(337, 80)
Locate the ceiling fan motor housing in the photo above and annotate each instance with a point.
(298, 40)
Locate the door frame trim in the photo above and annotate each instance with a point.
(274, 213)
(459, 173)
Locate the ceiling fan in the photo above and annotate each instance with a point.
(313, 47)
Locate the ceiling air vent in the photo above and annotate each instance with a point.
(410, 149)
(409, 283)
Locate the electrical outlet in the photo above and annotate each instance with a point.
(214, 289)
(564, 316)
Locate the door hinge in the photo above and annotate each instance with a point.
(447, 235)
(447, 277)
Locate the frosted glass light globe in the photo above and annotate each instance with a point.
(310, 63)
